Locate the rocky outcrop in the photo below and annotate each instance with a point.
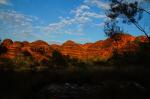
(41, 50)
(141, 39)
(13, 48)
(72, 49)
(86, 45)
(7, 43)
(55, 47)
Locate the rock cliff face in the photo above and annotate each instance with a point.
(41, 50)
(71, 48)
(13, 48)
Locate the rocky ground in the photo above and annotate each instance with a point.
(105, 90)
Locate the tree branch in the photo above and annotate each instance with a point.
(141, 29)
(144, 10)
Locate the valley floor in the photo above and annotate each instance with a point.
(100, 84)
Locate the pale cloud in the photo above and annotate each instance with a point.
(98, 3)
(78, 30)
(78, 11)
(21, 25)
(18, 24)
(82, 16)
(5, 2)
(100, 24)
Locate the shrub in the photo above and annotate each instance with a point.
(3, 49)
(6, 64)
(23, 63)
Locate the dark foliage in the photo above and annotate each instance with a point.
(3, 49)
(26, 53)
(6, 64)
(130, 12)
(130, 58)
(111, 28)
(144, 54)
(58, 60)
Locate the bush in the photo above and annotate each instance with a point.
(3, 49)
(6, 64)
(58, 60)
(128, 58)
(23, 63)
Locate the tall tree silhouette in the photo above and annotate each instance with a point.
(130, 12)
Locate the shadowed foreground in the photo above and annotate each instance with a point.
(114, 84)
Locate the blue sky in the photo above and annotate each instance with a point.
(57, 20)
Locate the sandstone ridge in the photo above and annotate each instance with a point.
(41, 50)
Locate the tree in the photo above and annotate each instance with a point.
(130, 12)
(23, 63)
(114, 31)
(3, 49)
(110, 28)
(58, 60)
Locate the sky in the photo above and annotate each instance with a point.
(56, 21)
